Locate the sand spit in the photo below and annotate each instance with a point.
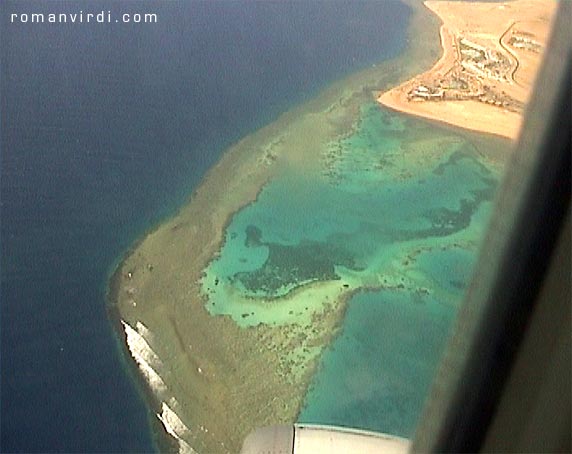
(214, 380)
(490, 56)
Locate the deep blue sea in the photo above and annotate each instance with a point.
(105, 131)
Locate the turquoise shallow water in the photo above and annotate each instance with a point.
(395, 213)
(376, 374)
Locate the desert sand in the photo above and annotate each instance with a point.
(484, 78)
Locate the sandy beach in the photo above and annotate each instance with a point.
(490, 55)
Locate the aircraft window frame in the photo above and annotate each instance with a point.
(531, 207)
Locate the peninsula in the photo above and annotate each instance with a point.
(226, 311)
(491, 53)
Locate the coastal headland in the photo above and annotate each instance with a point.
(213, 376)
(210, 381)
(491, 53)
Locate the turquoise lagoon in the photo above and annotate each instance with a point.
(392, 216)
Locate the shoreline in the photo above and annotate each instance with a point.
(461, 90)
(138, 266)
(161, 442)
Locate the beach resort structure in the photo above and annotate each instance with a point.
(474, 66)
(490, 56)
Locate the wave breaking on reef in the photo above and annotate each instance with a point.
(148, 361)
